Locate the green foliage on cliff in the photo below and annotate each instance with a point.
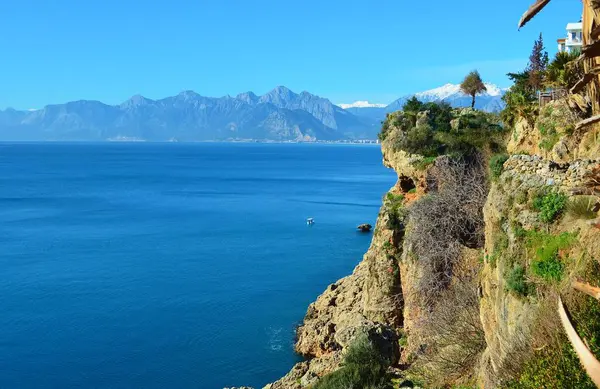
(547, 128)
(395, 209)
(433, 129)
(554, 368)
(547, 263)
(500, 246)
(554, 364)
(520, 99)
(363, 367)
(516, 281)
(550, 205)
(497, 165)
(564, 71)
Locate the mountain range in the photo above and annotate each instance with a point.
(279, 115)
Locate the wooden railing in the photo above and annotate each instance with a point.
(550, 95)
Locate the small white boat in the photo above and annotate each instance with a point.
(310, 221)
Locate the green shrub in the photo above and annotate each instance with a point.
(363, 367)
(581, 207)
(564, 71)
(497, 164)
(516, 281)
(424, 163)
(550, 205)
(521, 100)
(545, 248)
(549, 141)
(550, 269)
(396, 211)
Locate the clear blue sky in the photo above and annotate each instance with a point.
(377, 50)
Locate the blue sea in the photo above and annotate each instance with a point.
(139, 265)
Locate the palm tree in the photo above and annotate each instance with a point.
(472, 85)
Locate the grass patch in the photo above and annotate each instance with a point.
(581, 207)
(497, 165)
(424, 163)
(549, 141)
(516, 281)
(550, 205)
(546, 249)
(550, 269)
(500, 246)
(553, 368)
(548, 131)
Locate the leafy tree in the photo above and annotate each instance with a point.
(564, 71)
(413, 105)
(411, 108)
(520, 99)
(473, 85)
(538, 62)
(522, 83)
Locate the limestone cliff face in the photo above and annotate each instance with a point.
(368, 301)
(510, 321)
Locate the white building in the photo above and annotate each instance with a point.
(574, 39)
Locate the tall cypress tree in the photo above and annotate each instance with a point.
(538, 62)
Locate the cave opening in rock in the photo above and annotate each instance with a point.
(406, 184)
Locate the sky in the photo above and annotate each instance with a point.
(377, 50)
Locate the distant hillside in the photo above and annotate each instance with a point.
(491, 101)
(280, 115)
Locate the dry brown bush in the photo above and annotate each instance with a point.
(449, 218)
(452, 333)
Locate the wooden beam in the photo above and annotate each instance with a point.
(595, 32)
(591, 50)
(532, 11)
(579, 85)
(588, 361)
(587, 122)
(587, 289)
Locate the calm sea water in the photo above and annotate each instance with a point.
(171, 265)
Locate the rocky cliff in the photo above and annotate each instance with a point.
(461, 281)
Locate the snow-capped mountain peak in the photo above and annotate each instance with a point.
(448, 90)
(361, 104)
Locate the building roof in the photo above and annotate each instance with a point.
(561, 40)
(575, 26)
